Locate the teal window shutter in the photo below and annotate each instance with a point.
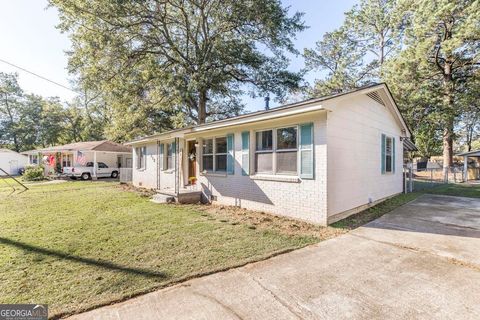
(393, 155)
(245, 153)
(384, 141)
(162, 152)
(306, 151)
(230, 156)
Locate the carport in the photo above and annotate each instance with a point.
(55, 158)
(471, 170)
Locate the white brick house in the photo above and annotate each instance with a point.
(318, 160)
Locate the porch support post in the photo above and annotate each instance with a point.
(465, 168)
(95, 166)
(177, 166)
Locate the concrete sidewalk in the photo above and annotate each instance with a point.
(419, 261)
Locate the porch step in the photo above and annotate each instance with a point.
(162, 198)
(184, 197)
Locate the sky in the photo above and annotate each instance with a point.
(29, 38)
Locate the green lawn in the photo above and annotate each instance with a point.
(77, 245)
(459, 190)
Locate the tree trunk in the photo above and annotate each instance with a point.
(202, 107)
(447, 148)
(449, 120)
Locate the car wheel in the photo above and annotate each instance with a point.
(114, 174)
(85, 176)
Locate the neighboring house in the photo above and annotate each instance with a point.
(471, 165)
(318, 160)
(80, 154)
(11, 162)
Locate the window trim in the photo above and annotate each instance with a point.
(391, 138)
(214, 154)
(141, 163)
(275, 150)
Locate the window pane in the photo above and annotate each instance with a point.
(287, 162)
(208, 163)
(287, 138)
(221, 145)
(169, 149)
(388, 163)
(388, 155)
(169, 162)
(221, 163)
(264, 140)
(263, 162)
(208, 146)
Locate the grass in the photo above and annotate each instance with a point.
(77, 245)
(357, 220)
(458, 190)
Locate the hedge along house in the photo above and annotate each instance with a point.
(89, 153)
(318, 160)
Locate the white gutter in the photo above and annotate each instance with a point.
(260, 117)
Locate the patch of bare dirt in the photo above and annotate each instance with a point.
(265, 221)
(147, 193)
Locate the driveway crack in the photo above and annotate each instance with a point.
(275, 296)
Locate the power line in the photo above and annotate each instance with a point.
(39, 76)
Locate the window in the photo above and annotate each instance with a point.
(264, 152)
(170, 152)
(141, 153)
(220, 153)
(33, 159)
(207, 154)
(102, 165)
(214, 154)
(67, 160)
(279, 155)
(388, 154)
(287, 150)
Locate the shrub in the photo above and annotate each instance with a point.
(33, 173)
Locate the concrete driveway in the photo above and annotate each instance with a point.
(421, 261)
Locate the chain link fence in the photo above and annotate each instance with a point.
(417, 178)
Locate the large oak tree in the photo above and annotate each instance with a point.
(180, 60)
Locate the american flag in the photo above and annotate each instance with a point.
(81, 160)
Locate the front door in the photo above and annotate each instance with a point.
(192, 166)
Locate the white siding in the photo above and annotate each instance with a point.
(354, 129)
(11, 161)
(147, 177)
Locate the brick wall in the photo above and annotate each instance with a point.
(304, 200)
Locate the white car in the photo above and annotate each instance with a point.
(86, 172)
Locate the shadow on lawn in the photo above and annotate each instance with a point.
(89, 261)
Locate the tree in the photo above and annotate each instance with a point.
(441, 51)
(354, 55)
(336, 54)
(178, 59)
(10, 98)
